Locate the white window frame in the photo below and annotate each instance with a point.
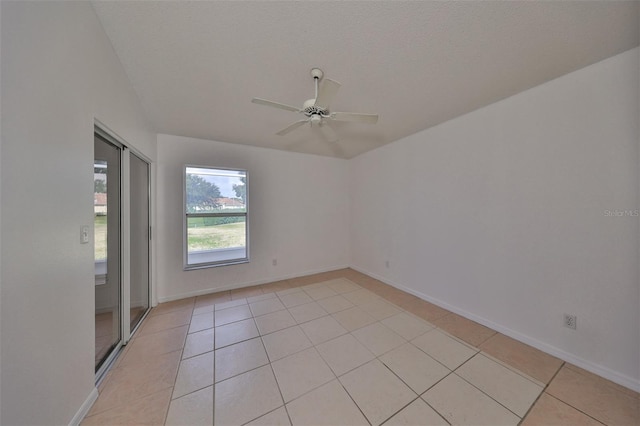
(209, 255)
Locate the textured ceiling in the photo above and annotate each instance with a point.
(197, 65)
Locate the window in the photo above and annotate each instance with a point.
(215, 217)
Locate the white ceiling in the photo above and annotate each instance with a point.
(197, 65)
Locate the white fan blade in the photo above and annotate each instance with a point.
(327, 92)
(291, 127)
(328, 132)
(354, 116)
(332, 139)
(274, 104)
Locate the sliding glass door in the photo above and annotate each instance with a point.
(139, 177)
(122, 244)
(107, 240)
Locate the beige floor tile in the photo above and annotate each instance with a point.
(229, 315)
(246, 397)
(407, 325)
(414, 367)
(342, 285)
(328, 405)
(150, 410)
(132, 392)
(364, 280)
(285, 342)
(529, 360)
(203, 310)
(276, 286)
(260, 297)
(318, 284)
(591, 396)
(296, 298)
(510, 389)
(602, 380)
(335, 304)
(380, 309)
(135, 381)
(198, 343)
(195, 373)
(322, 329)
(319, 277)
(469, 331)
(230, 304)
(444, 349)
(290, 290)
(201, 322)
(397, 297)
(417, 413)
(320, 292)
(360, 297)
(212, 299)
(241, 293)
(274, 321)
(175, 305)
(160, 322)
(353, 318)
(107, 375)
(344, 353)
(353, 275)
(549, 411)
(380, 288)
(268, 306)
(378, 338)
(162, 342)
(235, 332)
(302, 281)
(462, 404)
(194, 409)
(307, 312)
(377, 391)
(301, 372)
(239, 358)
(425, 310)
(277, 417)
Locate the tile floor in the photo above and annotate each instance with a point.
(341, 348)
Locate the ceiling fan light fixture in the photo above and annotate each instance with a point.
(315, 119)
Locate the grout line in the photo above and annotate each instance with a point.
(577, 409)
(213, 403)
(353, 400)
(419, 396)
(476, 349)
(275, 378)
(495, 400)
(544, 391)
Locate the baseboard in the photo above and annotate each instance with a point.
(84, 408)
(246, 284)
(614, 376)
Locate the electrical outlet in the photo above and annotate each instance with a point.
(274, 262)
(386, 263)
(570, 321)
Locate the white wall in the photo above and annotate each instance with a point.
(500, 215)
(299, 214)
(59, 72)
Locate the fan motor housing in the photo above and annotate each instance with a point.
(309, 109)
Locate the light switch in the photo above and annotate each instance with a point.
(84, 234)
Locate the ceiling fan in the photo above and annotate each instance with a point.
(317, 110)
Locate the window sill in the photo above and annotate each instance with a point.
(214, 258)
